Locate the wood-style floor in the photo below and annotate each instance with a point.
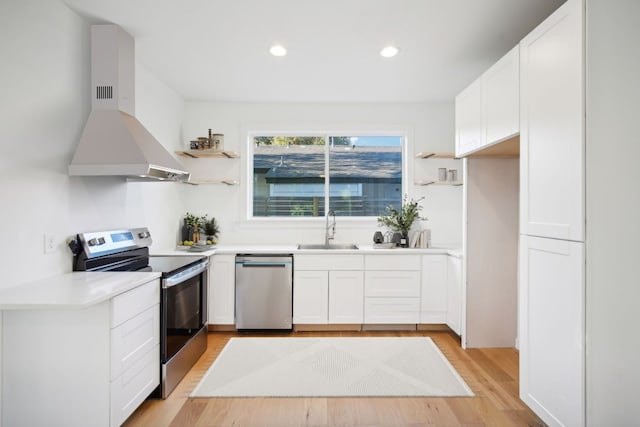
(492, 374)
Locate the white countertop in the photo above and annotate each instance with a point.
(71, 290)
(79, 290)
(257, 249)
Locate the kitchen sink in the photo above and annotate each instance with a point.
(330, 246)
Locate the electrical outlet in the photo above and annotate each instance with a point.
(49, 244)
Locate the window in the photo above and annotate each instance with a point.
(304, 176)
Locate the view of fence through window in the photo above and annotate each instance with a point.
(290, 175)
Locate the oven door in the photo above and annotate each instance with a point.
(184, 309)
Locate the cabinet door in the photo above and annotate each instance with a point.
(392, 284)
(469, 119)
(222, 276)
(551, 328)
(552, 123)
(500, 97)
(454, 294)
(346, 296)
(433, 298)
(310, 297)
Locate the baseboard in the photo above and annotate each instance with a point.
(348, 327)
(221, 328)
(327, 328)
(389, 327)
(433, 327)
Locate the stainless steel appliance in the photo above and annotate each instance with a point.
(183, 296)
(264, 291)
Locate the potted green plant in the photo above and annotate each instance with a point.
(193, 226)
(211, 230)
(401, 221)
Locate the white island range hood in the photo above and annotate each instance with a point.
(114, 142)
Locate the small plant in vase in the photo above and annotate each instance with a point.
(194, 225)
(211, 230)
(401, 221)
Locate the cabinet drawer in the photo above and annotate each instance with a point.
(328, 262)
(391, 310)
(131, 340)
(392, 262)
(131, 388)
(131, 303)
(392, 283)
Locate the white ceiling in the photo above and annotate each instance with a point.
(218, 49)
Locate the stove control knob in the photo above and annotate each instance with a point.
(101, 241)
(93, 242)
(144, 234)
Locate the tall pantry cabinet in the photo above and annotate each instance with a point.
(552, 218)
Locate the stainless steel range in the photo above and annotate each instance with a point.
(183, 303)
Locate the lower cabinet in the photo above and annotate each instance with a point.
(310, 297)
(392, 289)
(346, 295)
(88, 367)
(322, 297)
(433, 301)
(551, 328)
(328, 289)
(377, 289)
(454, 294)
(222, 274)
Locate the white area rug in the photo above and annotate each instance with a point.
(331, 367)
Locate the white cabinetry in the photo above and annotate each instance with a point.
(135, 351)
(310, 297)
(346, 296)
(392, 289)
(81, 367)
(552, 329)
(469, 119)
(328, 289)
(551, 285)
(222, 290)
(433, 300)
(487, 110)
(552, 118)
(454, 294)
(500, 98)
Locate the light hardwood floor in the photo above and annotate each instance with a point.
(492, 374)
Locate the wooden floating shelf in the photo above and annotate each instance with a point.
(431, 182)
(213, 181)
(432, 155)
(197, 154)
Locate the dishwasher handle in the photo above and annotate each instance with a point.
(257, 264)
(264, 261)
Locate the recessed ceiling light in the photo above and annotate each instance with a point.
(389, 52)
(278, 50)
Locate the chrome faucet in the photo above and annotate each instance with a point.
(330, 236)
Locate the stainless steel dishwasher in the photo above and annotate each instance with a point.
(264, 291)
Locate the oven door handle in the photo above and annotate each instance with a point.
(187, 274)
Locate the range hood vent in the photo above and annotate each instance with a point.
(114, 142)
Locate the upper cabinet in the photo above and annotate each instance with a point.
(487, 111)
(500, 98)
(469, 119)
(552, 121)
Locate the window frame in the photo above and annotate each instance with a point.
(248, 172)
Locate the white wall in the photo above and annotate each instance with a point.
(429, 128)
(44, 102)
(613, 207)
